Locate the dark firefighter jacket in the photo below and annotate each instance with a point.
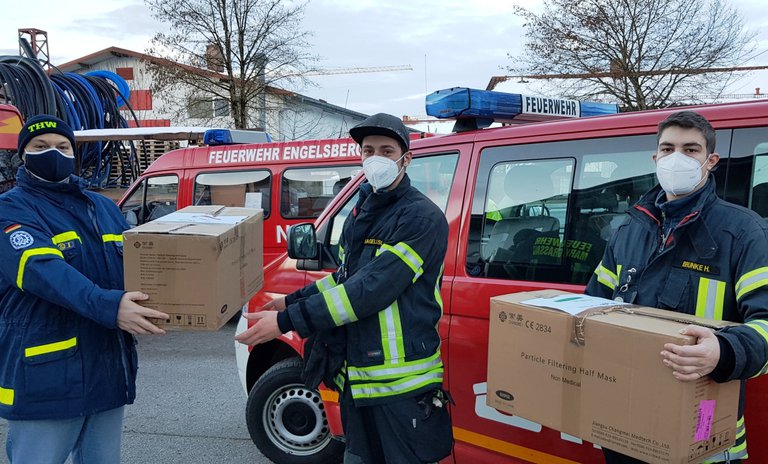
(386, 296)
(61, 281)
(713, 264)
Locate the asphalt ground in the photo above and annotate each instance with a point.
(189, 407)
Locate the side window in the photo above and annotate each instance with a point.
(337, 225)
(250, 189)
(544, 212)
(524, 218)
(749, 158)
(759, 198)
(154, 198)
(433, 176)
(305, 192)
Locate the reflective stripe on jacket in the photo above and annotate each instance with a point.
(386, 294)
(61, 281)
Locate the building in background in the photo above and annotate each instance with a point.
(287, 115)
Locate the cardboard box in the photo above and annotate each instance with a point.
(199, 265)
(228, 195)
(599, 376)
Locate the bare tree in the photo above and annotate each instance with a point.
(641, 53)
(246, 46)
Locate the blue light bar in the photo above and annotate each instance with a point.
(232, 137)
(462, 102)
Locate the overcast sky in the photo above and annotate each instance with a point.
(446, 42)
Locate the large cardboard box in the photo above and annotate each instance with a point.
(597, 374)
(199, 265)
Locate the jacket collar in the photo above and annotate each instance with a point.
(704, 243)
(647, 202)
(57, 192)
(371, 201)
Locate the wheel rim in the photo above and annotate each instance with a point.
(294, 418)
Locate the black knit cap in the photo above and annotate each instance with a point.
(382, 124)
(44, 124)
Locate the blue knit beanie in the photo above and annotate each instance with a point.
(44, 124)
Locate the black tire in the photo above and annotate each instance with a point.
(286, 419)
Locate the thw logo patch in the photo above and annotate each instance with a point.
(21, 239)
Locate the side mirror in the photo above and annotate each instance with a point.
(302, 242)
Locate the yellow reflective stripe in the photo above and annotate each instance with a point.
(751, 281)
(112, 238)
(30, 253)
(438, 296)
(341, 253)
(761, 327)
(737, 451)
(326, 283)
(398, 387)
(606, 277)
(65, 237)
(398, 371)
(339, 306)
(412, 259)
(50, 347)
(391, 334)
(6, 396)
(710, 299)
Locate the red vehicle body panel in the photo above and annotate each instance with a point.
(10, 125)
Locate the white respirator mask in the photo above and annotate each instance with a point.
(679, 174)
(381, 171)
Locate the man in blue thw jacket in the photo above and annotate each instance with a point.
(67, 355)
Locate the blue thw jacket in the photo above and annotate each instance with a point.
(385, 295)
(61, 281)
(713, 264)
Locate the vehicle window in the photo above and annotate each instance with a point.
(433, 176)
(250, 189)
(759, 199)
(548, 219)
(154, 198)
(337, 225)
(750, 158)
(306, 192)
(525, 215)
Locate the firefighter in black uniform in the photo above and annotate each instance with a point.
(683, 249)
(384, 304)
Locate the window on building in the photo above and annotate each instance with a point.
(199, 109)
(220, 107)
(125, 73)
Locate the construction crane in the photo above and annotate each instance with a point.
(496, 80)
(357, 70)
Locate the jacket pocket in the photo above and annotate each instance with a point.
(53, 371)
(422, 426)
(676, 295)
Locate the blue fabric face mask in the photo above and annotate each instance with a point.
(52, 165)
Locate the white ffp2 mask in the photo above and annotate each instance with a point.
(678, 174)
(380, 171)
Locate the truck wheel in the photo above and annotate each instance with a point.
(286, 419)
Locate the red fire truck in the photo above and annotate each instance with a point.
(576, 177)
